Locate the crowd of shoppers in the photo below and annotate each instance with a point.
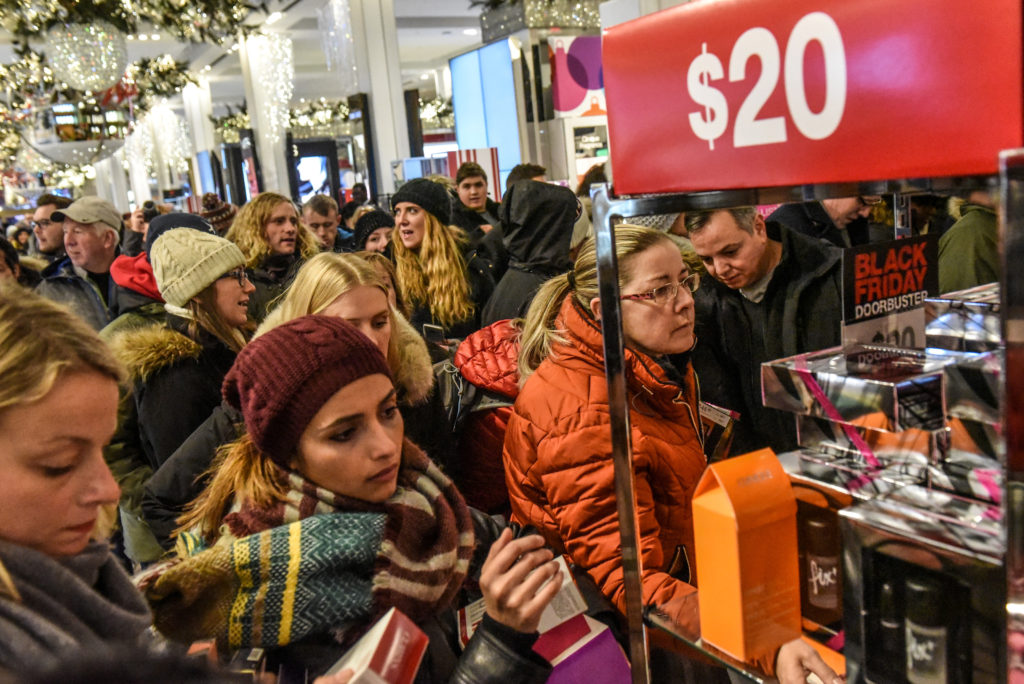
(263, 384)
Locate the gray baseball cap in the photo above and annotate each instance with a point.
(90, 210)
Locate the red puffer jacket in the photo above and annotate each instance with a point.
(559, 469)
(488, 359)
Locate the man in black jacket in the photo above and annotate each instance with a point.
(475, 212)
(841, 220)
(772, 293)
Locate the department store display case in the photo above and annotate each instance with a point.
(909, 453)
(966, 320)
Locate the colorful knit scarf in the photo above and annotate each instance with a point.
(322, 563)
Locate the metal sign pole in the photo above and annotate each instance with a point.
(1011, 185)
(622, 454)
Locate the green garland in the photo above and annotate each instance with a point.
(30, 80)
(198, 21)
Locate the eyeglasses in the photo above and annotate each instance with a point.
(238, 274)
(666, 293)
(45, 223)
(869, 200)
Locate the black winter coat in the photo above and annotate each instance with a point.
(811, 219)
(271, 279)
(537, 220)
(801, 312)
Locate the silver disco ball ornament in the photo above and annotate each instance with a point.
(87, 56)
(75, 132)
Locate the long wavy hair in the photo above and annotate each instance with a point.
(539, 331)
(249, 230)
(436, 273)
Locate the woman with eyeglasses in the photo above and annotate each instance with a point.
(176, 369)
(557, 454)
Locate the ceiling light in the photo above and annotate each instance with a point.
(470, 31)
(425, 77)
(143, 36)
(130, 36)
(155, 36)
(272, 18)
(207, 67)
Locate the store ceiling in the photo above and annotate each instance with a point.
(429, 32)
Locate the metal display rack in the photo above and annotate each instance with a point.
(636, 131)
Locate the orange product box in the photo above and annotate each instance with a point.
(744, 522)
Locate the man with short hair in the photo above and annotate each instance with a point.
(841, 221)
(475, 212)
(526, 171)
(320, 213)
(772, 293)
(49, 234)
(92, 229)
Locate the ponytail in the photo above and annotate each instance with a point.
(539, 333)
(239, 471)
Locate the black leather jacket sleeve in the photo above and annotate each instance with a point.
(499, 655)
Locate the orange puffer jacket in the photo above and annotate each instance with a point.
(559, 471)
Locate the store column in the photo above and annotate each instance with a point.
(269, 75)
(111, 183)
(198, 109)
(380, 75)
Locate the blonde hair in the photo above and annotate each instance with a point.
(249, 230)
(539, 331)
(240, 472)
(319, 282)
(40, 341)
(362, 211)
(436, 274)
(378, 259)
(203, 310)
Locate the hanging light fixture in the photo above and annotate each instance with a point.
(89, 56)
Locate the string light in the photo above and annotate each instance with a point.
(270, 61)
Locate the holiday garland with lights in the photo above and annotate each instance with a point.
(198, 21)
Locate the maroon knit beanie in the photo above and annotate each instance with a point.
(282, 378)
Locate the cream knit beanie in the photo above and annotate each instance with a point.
(186, 262)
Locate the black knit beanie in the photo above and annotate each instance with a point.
(369, 222)
(428, 195)
(283, 377)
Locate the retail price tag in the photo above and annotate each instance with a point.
(748, 93)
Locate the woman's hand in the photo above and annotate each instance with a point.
(797, 659)
(519, 579)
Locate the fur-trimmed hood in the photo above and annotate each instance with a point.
(414, 375)
(147, 350)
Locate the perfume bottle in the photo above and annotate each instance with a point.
(892, 663)
(925, 631)
(822, 571)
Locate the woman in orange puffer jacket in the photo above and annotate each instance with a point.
(557, 453)
(558, 443)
